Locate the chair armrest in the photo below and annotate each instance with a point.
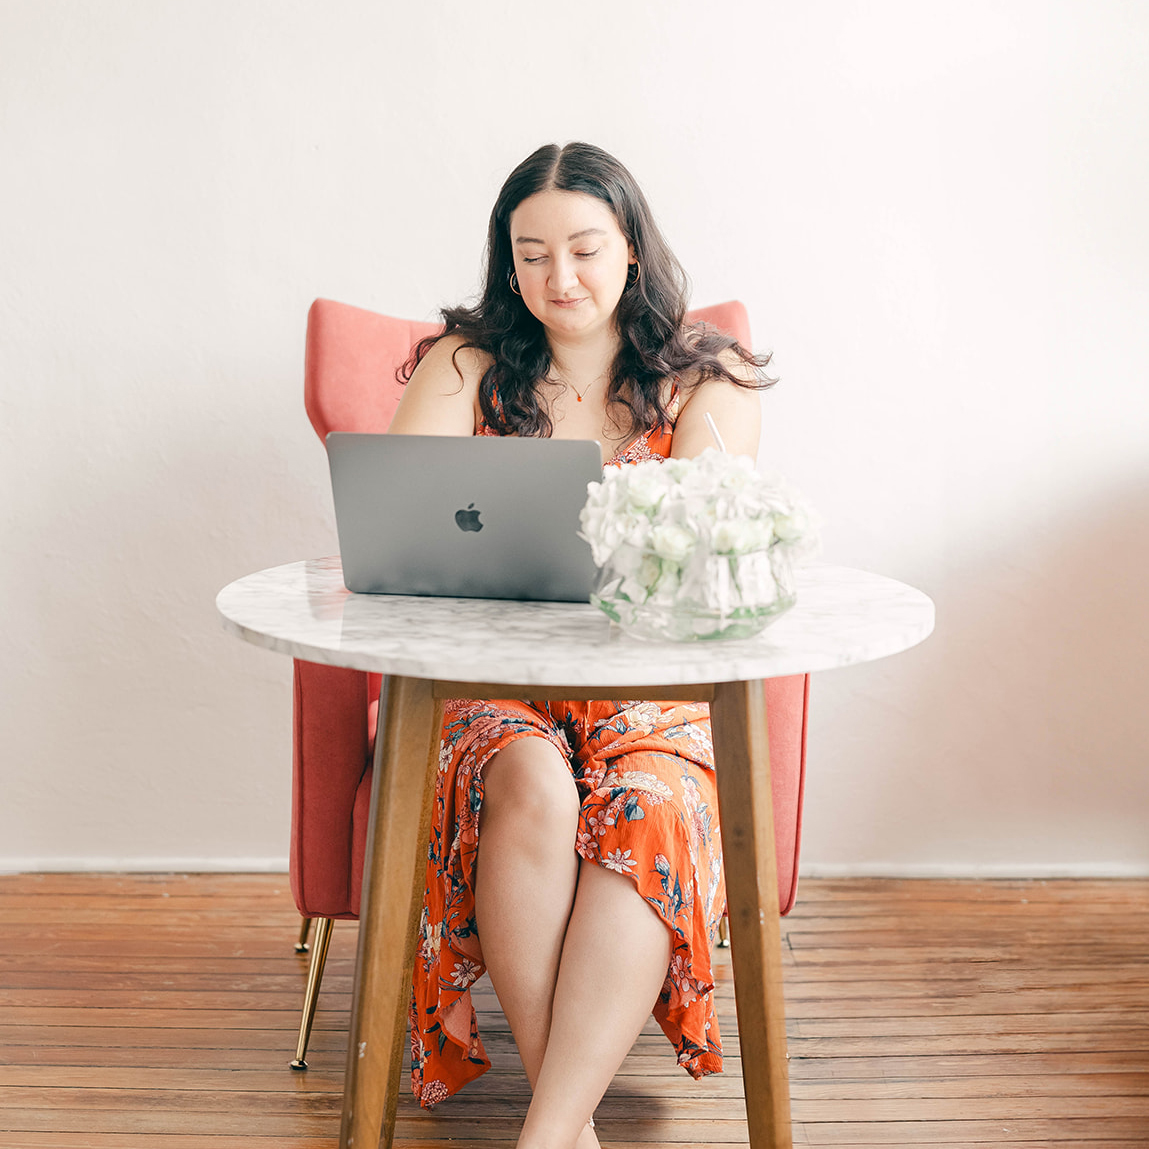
(787, 707)
(332, 743)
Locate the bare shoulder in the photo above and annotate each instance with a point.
(736, 410)
(442, 395)
(454, 356)
(737, 366)
(691, 382)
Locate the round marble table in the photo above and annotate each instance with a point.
(430, 649)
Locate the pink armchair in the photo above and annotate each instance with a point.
(349, 385)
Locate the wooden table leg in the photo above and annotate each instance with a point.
(406, 759)
(746, 810)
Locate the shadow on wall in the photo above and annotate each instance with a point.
(1016, 738)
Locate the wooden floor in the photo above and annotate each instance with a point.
(160, 1011)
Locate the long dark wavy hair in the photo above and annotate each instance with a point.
(655, 342)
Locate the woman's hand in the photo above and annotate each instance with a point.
(442, 396)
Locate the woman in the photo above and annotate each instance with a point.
(597, 886)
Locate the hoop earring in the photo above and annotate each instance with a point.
(637, 273)
(514, 284)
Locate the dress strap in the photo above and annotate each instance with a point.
(484, 428)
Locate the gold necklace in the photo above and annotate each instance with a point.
(578, 394)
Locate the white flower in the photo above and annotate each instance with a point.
(646, 487)
(740, 536)
(432, 939)
(636, 529)
(641, 780)
(620, 862)
(670, 541)
(446, 753)
(628, 560)
(642, 714)
(693, 531)
(797, 532)
(644, 572)
(736, 475)
(463, 973)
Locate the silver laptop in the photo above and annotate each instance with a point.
(472, 517)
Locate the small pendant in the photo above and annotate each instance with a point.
(578, 396)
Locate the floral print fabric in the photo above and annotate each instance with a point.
(649, 810)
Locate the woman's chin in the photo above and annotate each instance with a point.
(583, 320)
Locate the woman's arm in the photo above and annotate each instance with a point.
(438, 400)
(736, 411)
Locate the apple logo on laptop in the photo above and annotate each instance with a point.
(468, 520)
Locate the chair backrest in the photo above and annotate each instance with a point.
(729, 317)
(352, 355)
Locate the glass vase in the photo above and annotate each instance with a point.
(703, 597)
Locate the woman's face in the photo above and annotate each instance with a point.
(571, 261)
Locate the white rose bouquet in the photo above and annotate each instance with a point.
(695, 548)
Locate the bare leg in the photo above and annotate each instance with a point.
(614, 961)
(525, 887)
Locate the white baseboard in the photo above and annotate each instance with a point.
(1019, 871)
(113, 865)
(940, 870)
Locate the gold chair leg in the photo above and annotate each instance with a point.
(301, 946)
(311, 997)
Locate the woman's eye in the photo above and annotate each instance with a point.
(533, 258)
(588, 254)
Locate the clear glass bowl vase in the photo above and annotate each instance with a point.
(701, 598)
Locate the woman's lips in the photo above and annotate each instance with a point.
(567, 302)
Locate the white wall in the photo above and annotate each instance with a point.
(935, 213)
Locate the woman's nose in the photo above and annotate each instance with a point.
(563, 275)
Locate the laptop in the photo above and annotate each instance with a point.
(466, 517)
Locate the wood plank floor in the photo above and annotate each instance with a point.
(160, 1011)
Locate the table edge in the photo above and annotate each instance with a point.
(399, 667)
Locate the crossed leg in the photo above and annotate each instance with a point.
(576, 956)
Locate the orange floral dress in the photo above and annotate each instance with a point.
(649, 810)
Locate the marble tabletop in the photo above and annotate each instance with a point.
(842, 617)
